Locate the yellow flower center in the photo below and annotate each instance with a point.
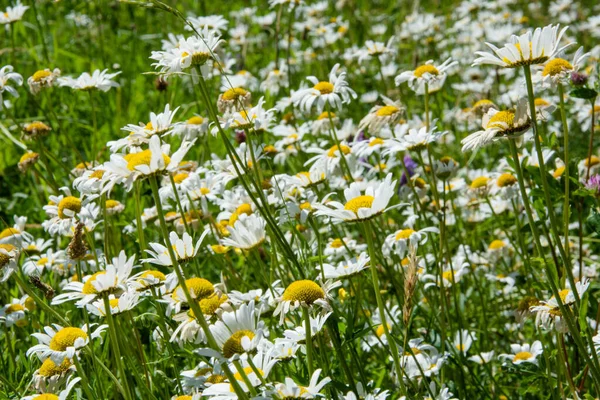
(36, 126)
(556, 66)
(180, 177)
(522, 356)
(220, 249)
(234, 94)
(359, 202)
(70, 203)
(98, 174)
(49, 368)
(506, 179)
(558, 172)
(112, 203)
(28, 156)
(41, 74)
(326, 115)
(380, 331)
(247, 371)
(448, 276)
(324, 87)
(65, 338)
(9, 232)
(199, 288)
(375, 142)
(502, 119)
(42, 261)
(195, 120)
(184, 397)
(233, 345)
(479, 182)
(334, 150)
(337, 243)
(426, 69)
(88, 287)
(13, 308)
(496, 245)
(211, 304)
(46, 396)
(539, 102)
(113, 303)
(404, 234)
(593, 160)
(304, 291)
(142, 158)
(386, 111)
(215, 379)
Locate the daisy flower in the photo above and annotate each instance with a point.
(125, 302)
(427, 75)
(298, 335)
(100, 80)
(548, 313)
(404, 239)
(360, 207)
(239, 331)
(414, 140)
(8, 260)
(382, 116)
(14, 312)
(111, 280)
(193, 51)
(43, 78)
(7, 75)
(524, 353)
(13, 14)
(36, 264)
(59, 343)
(248, 232)
(62, 395)
(291, 390)
(304, 293)
(379, 50)
(334, 92)
(346, 269)
(192, 128)
(16, 235)
(496, 125)
(183, 247)
(530, 48)
(559, 70)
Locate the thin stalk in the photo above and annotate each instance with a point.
(566, 176)
(309, 343)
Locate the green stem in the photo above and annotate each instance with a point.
(566, 176)
(309, 343)
(114, 341)
(381, 306)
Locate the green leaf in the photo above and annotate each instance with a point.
(584, 93)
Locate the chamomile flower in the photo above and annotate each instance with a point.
(8, 260)
(524, 353)
(239, 331)
(558, 70)
(382, 116)
(7, 74)
(548, 313)
(334, 92)
(125, 302)
(414, 140)
(36, 264)
(248, 232)
(291, 390)
(183, 247)
(530, 48)
(359, 207)
(379, 50)
(427, 76)
(407, 239)
(13, 14)
(16, 234)
(111, 280)
(59, 343)
(347, 268)
(189, 53)
(62, 395)
(41, 79)
(511, 123)
(98, 80)
(14, 312)
(304, 293)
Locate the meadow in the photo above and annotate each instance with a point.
(299, 199)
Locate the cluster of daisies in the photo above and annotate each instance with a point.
(341, 220)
